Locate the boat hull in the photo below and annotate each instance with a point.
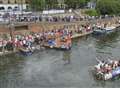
(57, 48)
(99, 32)
(103, 31)
(25, 53)
(108, 76)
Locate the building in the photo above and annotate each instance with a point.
(91, 4)
(13, 5)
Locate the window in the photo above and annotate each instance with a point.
(9, 8)
(2, 8)
(16, 8)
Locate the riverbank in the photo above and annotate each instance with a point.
(60, 38)
(26, 29)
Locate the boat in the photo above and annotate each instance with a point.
(25, 51)
(61, 47)
(64, 47)
(109, 76)
(98, 30)
(60, 43)
(110, 29)
(106, 70)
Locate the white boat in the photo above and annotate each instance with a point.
(101, 73)
(98, 30)
(110, 29)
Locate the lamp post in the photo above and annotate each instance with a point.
(11, 29)
(35, 11)
(21, 7)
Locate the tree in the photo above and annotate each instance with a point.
(51, 4)
(92, 12)
(43, 4)
(108, 6)
(76, 3)
(37, 4)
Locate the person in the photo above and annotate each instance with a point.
(100, 65)
(115, 64)
(119, 63)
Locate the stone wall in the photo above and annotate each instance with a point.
(43, 26)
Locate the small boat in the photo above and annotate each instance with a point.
(106, 70)
(25, 51)
(62, 47)
(108, 76)
(110, 29)
(101, 31)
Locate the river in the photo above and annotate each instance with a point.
(61, 69)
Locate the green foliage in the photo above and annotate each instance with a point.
(102, 6)
(43, 4)
(108, 6)
(50, 4)
(37, 4)
(76, 3)
(71, 3)
(92, 12)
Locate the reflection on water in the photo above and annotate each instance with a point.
(108, 40)
(61, 69)
(67, 57)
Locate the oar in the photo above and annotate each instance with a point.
(98, 60)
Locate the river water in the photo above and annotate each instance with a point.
(61, 69)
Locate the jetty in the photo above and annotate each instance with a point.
(81, 35)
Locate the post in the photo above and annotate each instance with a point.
(22, 7)
(35, 11)
(11, 29)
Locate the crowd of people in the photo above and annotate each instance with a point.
(54, 38)
(41, 18)
(106, 68)
(69, 18)
(48, 18)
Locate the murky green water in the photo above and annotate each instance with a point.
(61, 69)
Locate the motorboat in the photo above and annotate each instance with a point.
(98, 30)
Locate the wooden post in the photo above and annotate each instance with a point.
(11, 28)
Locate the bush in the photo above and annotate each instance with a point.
(92, 12)
(108, 7)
